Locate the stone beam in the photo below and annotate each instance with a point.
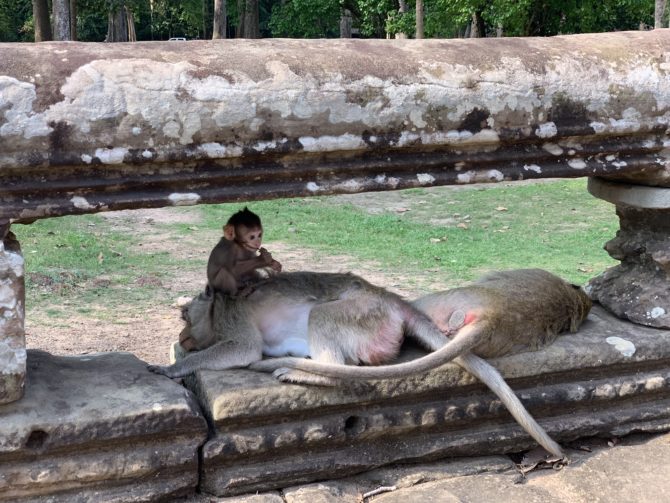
(114, 126)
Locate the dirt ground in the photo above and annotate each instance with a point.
(148, 333)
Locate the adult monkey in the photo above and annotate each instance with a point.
(336, 319)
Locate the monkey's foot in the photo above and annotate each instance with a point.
(292, 376)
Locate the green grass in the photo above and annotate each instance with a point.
(457, 233)
(81, 259)
(556, 226)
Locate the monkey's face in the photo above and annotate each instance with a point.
(249, 238)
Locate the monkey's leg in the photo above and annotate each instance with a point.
(221, 356)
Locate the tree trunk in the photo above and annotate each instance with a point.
(419, 19)
(219, 30)
(61, 13)
(659, 10)
(402, 10)
(73, 19)
(42, 22)
(241, 15)
(345, 24)
(121, 26)
(478, 28)
(251, 20)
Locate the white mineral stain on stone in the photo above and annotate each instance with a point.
(654, 383)
(532, 167)
(12, 360)
(552, 148)
(620, 164)
(577, 164)
(656, 312)
(546, 130)
(349, 186)
(393, 182)
(111, 155)
(16, 104)
(425, 178)
(610, 158)
(86, 158)
(218, 151)
(184, 198)
(147, 154)
(465, 177)
(380, 179)
(136, 131)
(81, 203)
(331, 143)
(8, 298)
(623, 346)
(598, 127)
(156, 407)
(494, 174)
(313, 187)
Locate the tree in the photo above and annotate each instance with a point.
(219, 30)
(41, 21)
(419, 19)
(249, 19)
(659, 11)
(120, 23)
(61, 13)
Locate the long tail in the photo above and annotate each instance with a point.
(486, 373)
(466, 340)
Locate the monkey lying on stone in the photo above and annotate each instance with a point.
(519, 308)
(337, 319)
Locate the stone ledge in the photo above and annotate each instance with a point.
(270, 435)
(98, 428)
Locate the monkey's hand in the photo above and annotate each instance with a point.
(275, 266)
(265, 256)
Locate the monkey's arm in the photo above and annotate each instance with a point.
(467, 338)
(221, 356)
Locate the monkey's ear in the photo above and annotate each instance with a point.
(229, 232)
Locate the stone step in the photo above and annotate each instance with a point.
(611, 378)
(98, 427)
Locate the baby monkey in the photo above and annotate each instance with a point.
(236, 262)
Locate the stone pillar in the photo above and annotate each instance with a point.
(639, 288)
(12, 315)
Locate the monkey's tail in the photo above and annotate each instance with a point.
(467, 338)
(486, 373)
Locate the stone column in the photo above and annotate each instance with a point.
(12, 315)
(639, 288)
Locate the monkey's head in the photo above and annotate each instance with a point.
(245, 228)
(197, 332)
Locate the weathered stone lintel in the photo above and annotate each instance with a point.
(584, 384)
(12, 316)
(98, 428)
(116, 127)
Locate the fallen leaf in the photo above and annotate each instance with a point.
(462, 226)
(401, 210)
(501, 208)
(101, 257)
(435, 240)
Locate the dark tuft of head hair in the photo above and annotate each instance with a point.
(245, 217)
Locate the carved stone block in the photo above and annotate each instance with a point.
(98, 428)
(610, 378)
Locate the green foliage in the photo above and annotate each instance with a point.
(16, 21)
(305, 19)
(373, 16)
